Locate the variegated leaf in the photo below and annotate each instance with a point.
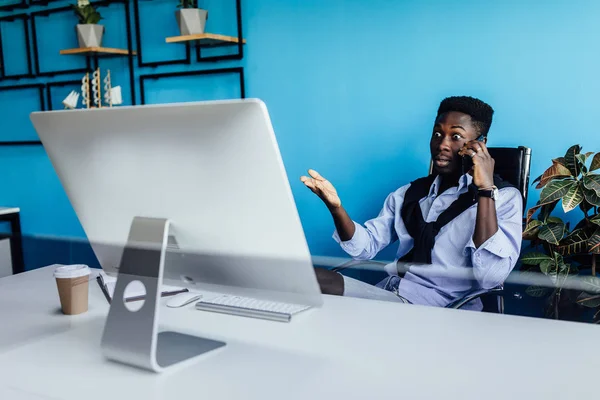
(532, 210)
(594, 243)
(552, 233)
(575, 243)
(595, 162)
(595, 219)
(571, 160)
(588, 300)
(546, 266)
(573, 197)
(534, 258)
(590, 284)
(592, 182)
(555, 190)
(591, 197)
(537, 291)
(532, 230)
(556, 171)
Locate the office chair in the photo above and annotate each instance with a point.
(511, 164)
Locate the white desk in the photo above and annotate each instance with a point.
(349, 349)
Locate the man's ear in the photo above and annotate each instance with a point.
(485, 140)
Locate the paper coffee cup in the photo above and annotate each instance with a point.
(72, 282)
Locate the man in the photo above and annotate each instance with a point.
(457, 232)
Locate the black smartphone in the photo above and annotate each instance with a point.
(467, 161)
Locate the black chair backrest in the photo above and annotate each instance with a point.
(512, 164)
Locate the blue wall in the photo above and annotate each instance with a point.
(352, 87)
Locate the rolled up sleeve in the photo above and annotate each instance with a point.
(376, 234)
(497, 256)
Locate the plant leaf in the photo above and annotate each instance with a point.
(552, 232)
(535, 258)
(591, 197)
(545, 266)
(555, 190)
(555, 220)
(571, 161)
(532, 210)
(573, 197)
(557, 170)
(532, 229)
(595, 162)
(590, 284)
(595, 219)
(575, 243)
(537, 291)
(588, 300)
(594, 243)
(592, 182)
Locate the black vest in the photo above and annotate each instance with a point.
(424, 233)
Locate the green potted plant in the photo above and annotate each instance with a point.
(190, 18)
(564, 252)
(89, 33)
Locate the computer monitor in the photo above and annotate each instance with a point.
(213, 169)
(207, 174)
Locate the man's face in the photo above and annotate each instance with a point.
(450, 132)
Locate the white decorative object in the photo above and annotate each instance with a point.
(71, 100)
(85, 90)
(191, 21)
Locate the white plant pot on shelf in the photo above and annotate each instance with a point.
(90, 35)
(191, 21)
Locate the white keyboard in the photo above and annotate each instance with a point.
(250, 307)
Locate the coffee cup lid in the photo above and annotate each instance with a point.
(71, 271)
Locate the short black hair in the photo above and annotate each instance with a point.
(481, 113)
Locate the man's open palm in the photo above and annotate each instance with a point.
(322, 188)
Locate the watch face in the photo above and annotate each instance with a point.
(495, 194)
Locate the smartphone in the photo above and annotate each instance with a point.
(467, 161)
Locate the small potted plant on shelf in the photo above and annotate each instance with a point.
(190, 18)
(89, 33)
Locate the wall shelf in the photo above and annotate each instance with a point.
(97, 51)
(206, 40)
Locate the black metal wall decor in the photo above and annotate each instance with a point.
(140, 47)
(40, 88)
(51, 85)
(92, 57)
(42, 2)
(240, 41)
(36, 53)
(13, 5)
(236, 70)
(12, 18)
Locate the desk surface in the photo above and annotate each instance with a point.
(350, 348)
(9, 210)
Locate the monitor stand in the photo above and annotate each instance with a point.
(132, 337)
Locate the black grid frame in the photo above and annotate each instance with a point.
(58, 84)
(40, 87)
(36, 56)
(240, 44)
(140, 47)
(24, 19)
(17, 5)
(219, 71)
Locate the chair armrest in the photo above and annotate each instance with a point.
(354, 263)
(457, 304)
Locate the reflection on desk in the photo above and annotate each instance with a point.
(350, 348)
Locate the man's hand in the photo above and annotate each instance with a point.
(483, 163)
(322, 188)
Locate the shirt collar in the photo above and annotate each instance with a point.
(463, 184)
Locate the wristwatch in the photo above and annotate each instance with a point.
(492, 193)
